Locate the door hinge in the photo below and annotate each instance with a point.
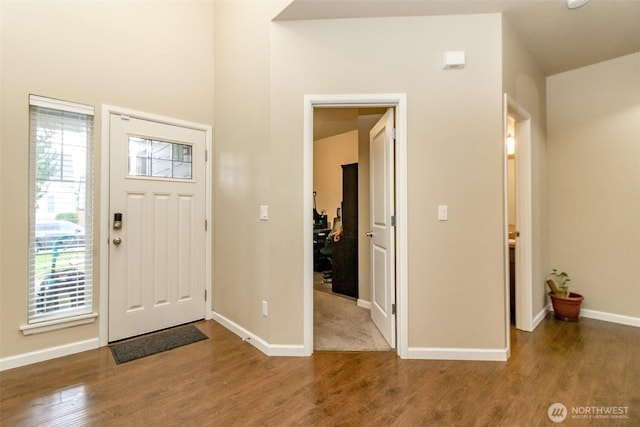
(393, 220)
(206, 155)
(205, 294)
(124, 116)
(393, 309)
(394, 134)
(206, 224)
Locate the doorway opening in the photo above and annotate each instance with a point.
(518, 217)
(396, 104)
(341, 248)
(511, 213)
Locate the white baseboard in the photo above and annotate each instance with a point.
(259, 343)
(292, 350)
(479, 354)
(610, 317)
(541, 315)
(597, 315)
(364, 304)
(48, 354)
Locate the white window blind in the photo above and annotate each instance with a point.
(61, 209)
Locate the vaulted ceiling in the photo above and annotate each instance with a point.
(561, 39)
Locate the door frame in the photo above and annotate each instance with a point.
(105, 180)
(398, 101)
(524, 252)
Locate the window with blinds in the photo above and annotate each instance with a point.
(60, 209)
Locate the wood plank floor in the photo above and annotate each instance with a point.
(224, 381)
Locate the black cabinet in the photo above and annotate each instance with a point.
(345, 252)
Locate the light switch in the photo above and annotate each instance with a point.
(264, 212)
(443, 212)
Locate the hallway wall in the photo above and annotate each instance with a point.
(594, 166)
(461, 257)
(524, 81)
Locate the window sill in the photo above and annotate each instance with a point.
(52, 325)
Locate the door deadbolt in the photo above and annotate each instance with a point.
(117, 221)
(117, 241)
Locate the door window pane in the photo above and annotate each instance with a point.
(159, 159)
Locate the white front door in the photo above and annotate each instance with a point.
(157, 250)
(382, 209)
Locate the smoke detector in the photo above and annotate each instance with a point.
(574, 4)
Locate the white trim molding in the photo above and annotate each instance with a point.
(364, 304)
(477, 354)
(595, 315)
(52, 325)
(610, 317)
(58, 104)
(262, 345)
(48, 354)
(541, 315)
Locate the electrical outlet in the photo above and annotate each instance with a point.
(265, 308)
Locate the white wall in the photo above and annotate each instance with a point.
(243, 175)
(594, 177)
(455, 158)
(524, 82)
(329, 154)
(261, 73)
(91, 53)
(455, 265)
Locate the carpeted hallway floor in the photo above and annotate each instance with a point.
(340, 325)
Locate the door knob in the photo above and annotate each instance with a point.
(117, 241)
(369, 233)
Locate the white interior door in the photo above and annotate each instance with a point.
(382, 200)
(156, 257)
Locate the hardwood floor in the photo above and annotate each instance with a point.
(225, 381)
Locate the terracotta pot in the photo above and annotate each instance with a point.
(567, 308)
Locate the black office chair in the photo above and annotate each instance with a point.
(333, 239)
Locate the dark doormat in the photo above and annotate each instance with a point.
(156, 343)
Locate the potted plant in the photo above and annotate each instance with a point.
(566, 305)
